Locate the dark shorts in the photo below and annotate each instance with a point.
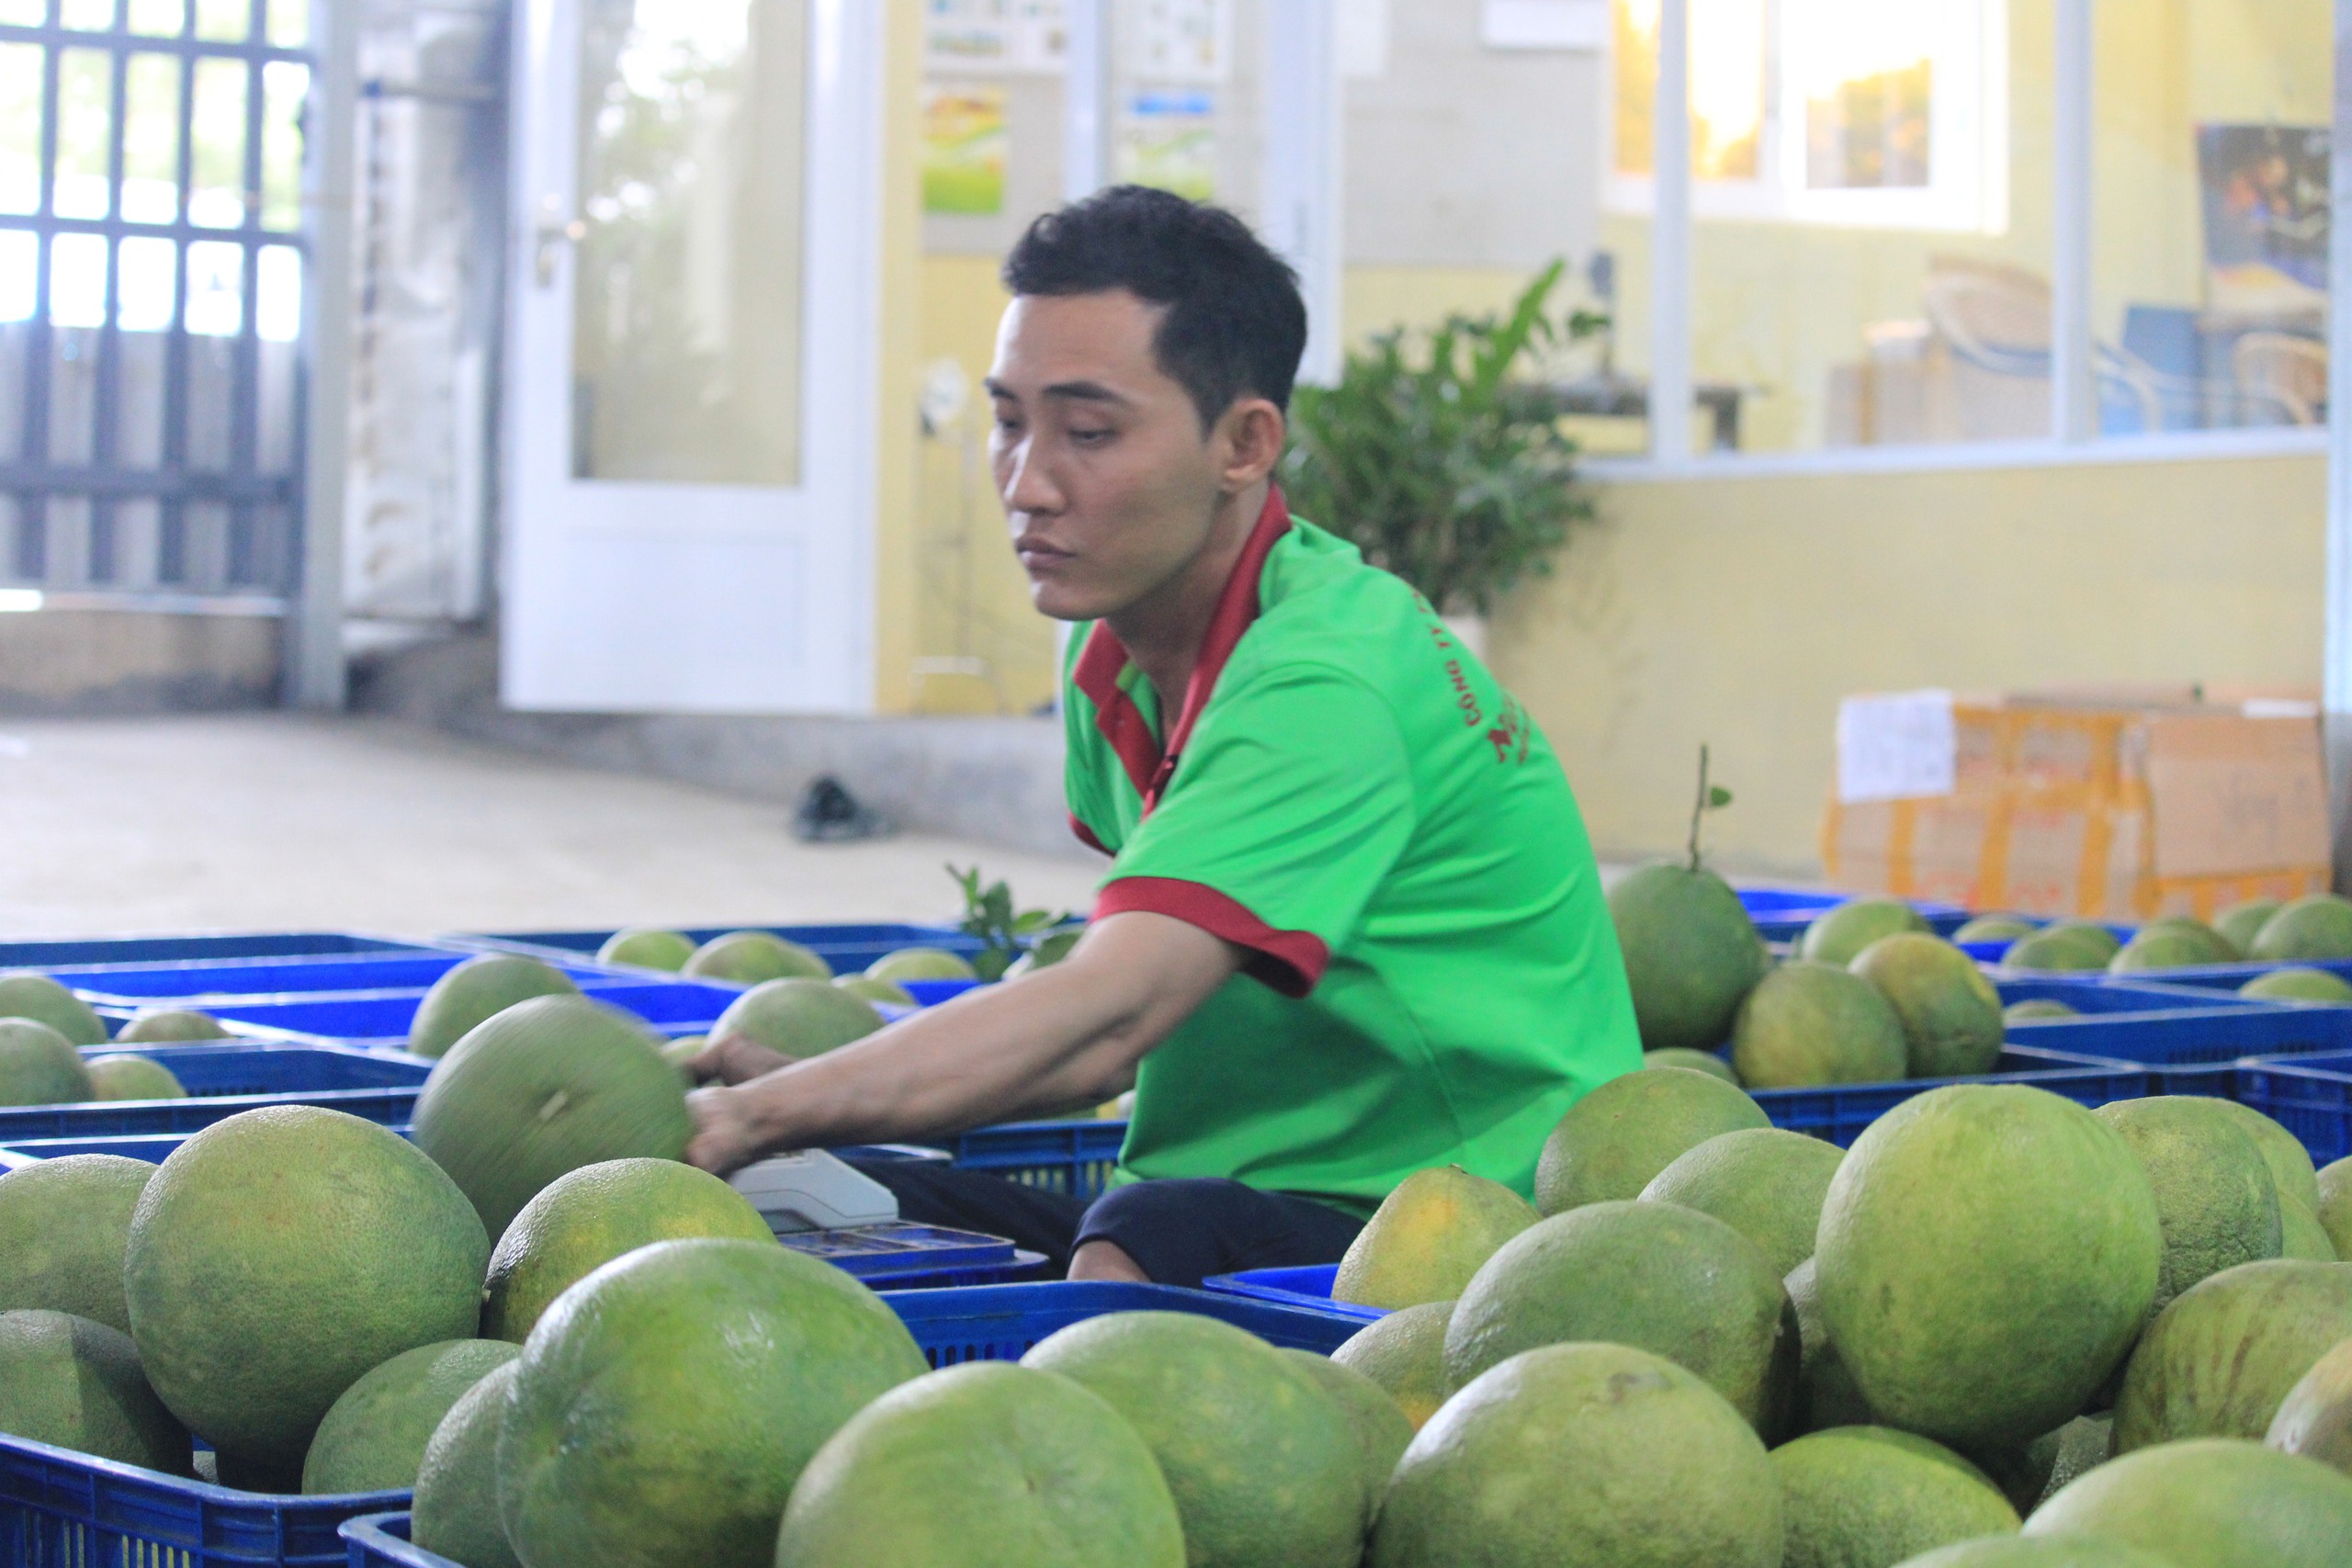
(1178, 1232)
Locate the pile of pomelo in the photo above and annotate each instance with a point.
(43, 1027)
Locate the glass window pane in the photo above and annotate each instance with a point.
(20, 89)
(687, 341)
(92, 16)
(284, 86)
(217, 198)
(151, 139)
(2211, 237)
(158, 18)
(144, 294)
(289, 23)
(77, 280)
(24, 13)
(230, 21)
(278, 311)
(85, 84)
(1186, 103)
(1729, 68)
(19, 274)
(216, 283)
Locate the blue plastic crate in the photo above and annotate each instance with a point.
(1992, 952)
(848, 948)
(2310, 1095)
(1781, 914)
(2165, 1025)
(1072, 1156)
(1002, 1322)
(1307, 1287)
(382, 1018)
(1840, 1111)
(223, 1080)
(193, 984)
(2228, 977)
(381, 1540)
(147, 949)
(900, 1255)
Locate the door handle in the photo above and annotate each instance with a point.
(553, 231)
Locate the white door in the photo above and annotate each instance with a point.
(691, 345)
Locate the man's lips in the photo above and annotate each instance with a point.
(1038, 556)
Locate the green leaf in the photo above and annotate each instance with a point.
(1718, 797)
(1033, 920)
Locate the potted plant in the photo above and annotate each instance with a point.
(1440, 457)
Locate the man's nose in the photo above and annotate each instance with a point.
(1023, 483)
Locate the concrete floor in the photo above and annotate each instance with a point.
(275, 821)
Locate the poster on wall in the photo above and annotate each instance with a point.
(1180, 40)
(2265, 195)
(1168, 139)
(964, 148)
(988, 36)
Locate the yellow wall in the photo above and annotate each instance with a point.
(896, 614)
(1738, 611)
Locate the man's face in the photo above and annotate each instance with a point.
(1109, 487)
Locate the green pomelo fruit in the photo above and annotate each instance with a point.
(866, 988)
(1838, 937)
(63, 1225)
(1404, 1354)
(2289, 1162)
(2318, 925)
(989, 1465)
(1044, 953)
(43, 999)
(920, 964)
(1826, 1396)
(681, 1053)
(1871, 1494)
(585, 1218)
(2021, 1473)
(2298, 985)
(1986, 1255)
(456, 1511)
(2302, 1235)
(132, 1077)
(799, 1018)
(2215, 1197)
(1595, 1455)
(2241, 923)
(2172, 947)
(543, 1088)
(2214, 1502)
(2084, 1444)
(1995, 927)
(1263, 1466)
(169, 1026)
(1764, 1183)
(646, 947)
(2335, 1211)
(667, 1403)
(2037, 1006)
(39, 1067)
(2220, 1361)
(2068, 947)
(1690, 954)
(277, 1256)
(1806, 1024)
(372, 1437)
(2040, 1552)
(1383, 1430)
(1949, 1011)
(1655, 1276)
(478, 991)
(749, 958)
(1428, 1237)
(1705, 1062)
(2315, 1418)
(76, 1384)
(1614, 1141)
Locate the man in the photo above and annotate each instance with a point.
(1351, 928)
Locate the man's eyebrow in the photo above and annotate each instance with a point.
(1067, 391)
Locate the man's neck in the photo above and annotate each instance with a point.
(1162, 632)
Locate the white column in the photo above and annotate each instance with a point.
(1670, 240)
(2073, 376)
(2338, 676)
(1305, 105)
(1086, 98)
(313, 649)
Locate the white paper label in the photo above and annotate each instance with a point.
(1895, 746)
(1544, 24)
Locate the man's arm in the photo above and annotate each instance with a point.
(1040, 1044)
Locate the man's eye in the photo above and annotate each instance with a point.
(1092, 438)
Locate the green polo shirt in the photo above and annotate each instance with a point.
(1351, 796)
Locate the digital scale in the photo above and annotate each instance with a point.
(814, 1191)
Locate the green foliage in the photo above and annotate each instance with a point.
(1430, 458)
(1711, 797)
(989, 916)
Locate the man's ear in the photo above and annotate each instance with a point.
(1252, 433)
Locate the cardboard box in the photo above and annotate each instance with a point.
(2122, 804)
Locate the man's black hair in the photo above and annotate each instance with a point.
(1235, 324)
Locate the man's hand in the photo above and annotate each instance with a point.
(733, 1058)
(725, 1139)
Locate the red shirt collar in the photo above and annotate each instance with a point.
(1104, 660)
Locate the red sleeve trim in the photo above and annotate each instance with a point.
(1291, 961)
(1086, 836)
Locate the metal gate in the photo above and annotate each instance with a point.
(151, 251)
